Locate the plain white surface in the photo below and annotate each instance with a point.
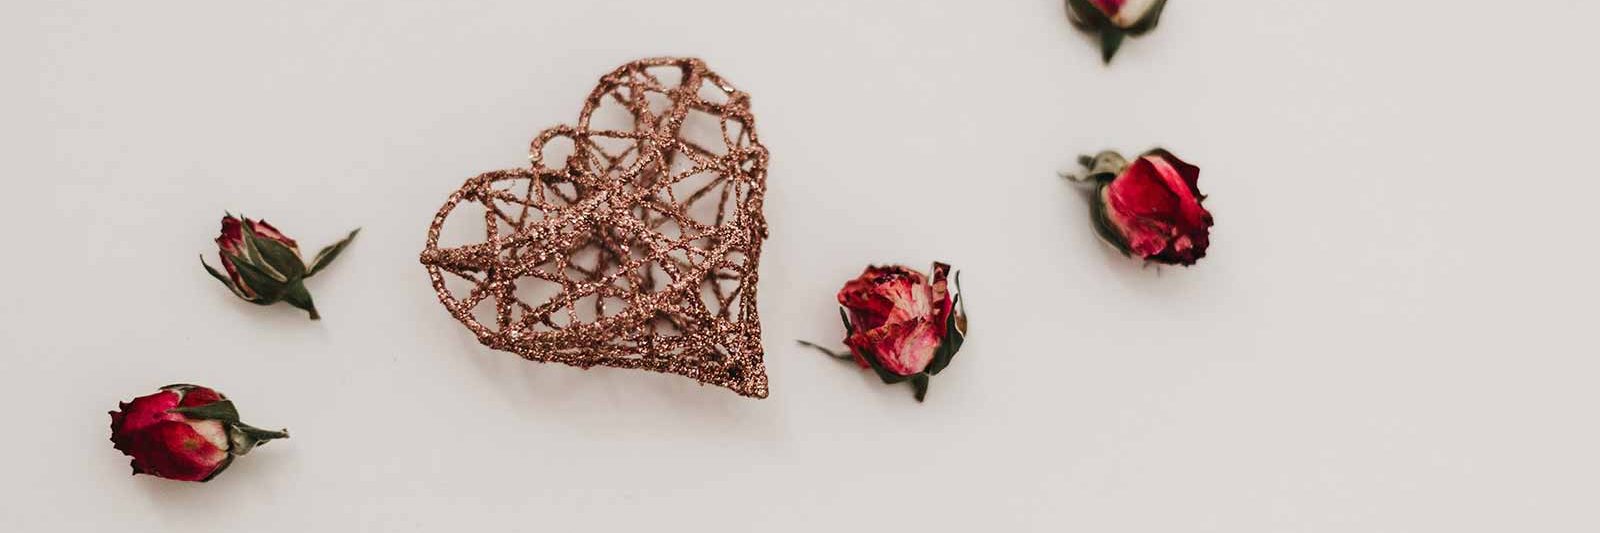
(1393, 330)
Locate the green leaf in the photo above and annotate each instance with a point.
(219, 410)
(223, 278)
(268, 290)
(277, 257)
(919, 384)
(327, 255)
(298, 296)
(1110, 41)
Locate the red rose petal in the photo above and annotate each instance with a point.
(1183, 180)
(882, 295)
(174, 450)
(231, 239)
(1155, 205)
(858, 344)
(905, 348)
(230, 243)
(899, 317)
(265, 230)
(143, 412)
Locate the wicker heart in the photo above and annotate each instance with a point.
(639, 249)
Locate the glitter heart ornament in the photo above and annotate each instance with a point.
(633, 239)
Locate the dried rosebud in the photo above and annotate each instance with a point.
(184, 432)
(264, 265)
(231, 244)
(1115, 19)
(901, 325)
(1150, 208)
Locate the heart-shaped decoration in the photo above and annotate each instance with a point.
(638, 248)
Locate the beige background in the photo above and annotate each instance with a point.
(1394, 330)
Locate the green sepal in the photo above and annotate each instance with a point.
(959, 303)
(297, 295)
(281, 261)
(954, 335)
(326, 256)
(222, 410)
(268, 290)
(1099, 168)
(1102, 225)
(253, 256)
(244, 437)
(919, 385)
(223, 278)
(872, 359)
(1105, 166)
(883, 373)
(1110, 42)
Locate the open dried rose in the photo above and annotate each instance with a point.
(264, 265)
(184, 432)
(1115, 19)
(900, 324)
(1150, 208)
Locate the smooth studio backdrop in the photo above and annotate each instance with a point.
(1393, 330)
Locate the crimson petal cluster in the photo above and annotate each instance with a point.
(184, 432)
(901, 324)
(1150, 208)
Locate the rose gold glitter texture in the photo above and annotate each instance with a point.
(637, 249)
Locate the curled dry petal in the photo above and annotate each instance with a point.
(1154, 206)
(899, 318)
